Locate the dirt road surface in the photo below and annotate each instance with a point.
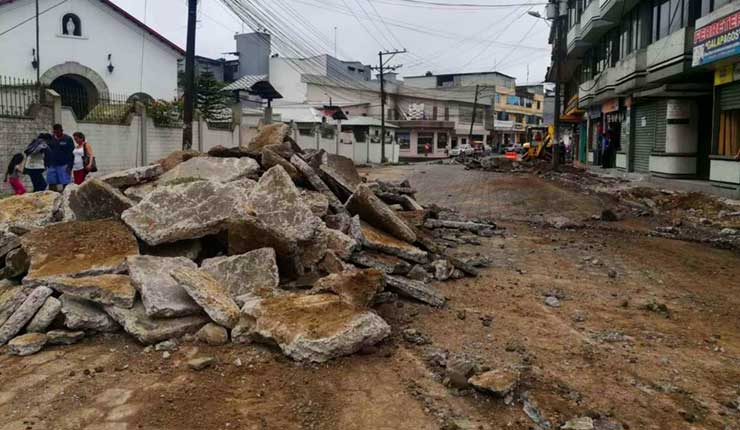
(647, 336)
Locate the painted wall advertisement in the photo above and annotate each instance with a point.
(717, 40)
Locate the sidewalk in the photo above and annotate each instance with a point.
(686, 185)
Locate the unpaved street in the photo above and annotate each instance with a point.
(646, 336)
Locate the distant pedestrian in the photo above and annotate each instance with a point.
(35, 161)
(59, 159)
(14, 173)
(83, 158)
(427, 149)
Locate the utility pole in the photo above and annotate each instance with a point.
(189, 102)
(493, 119)
(556, 61)
(38, 56)
(472, 120)
(382, 67)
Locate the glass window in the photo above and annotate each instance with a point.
(441, 140)
(404, 139)
(675, 22)
(424, 143)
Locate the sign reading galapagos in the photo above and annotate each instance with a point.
(717, 40)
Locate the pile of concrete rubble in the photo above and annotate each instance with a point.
(264, 243)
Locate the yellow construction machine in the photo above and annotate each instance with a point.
(540, 143)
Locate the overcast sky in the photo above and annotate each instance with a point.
(439, 39)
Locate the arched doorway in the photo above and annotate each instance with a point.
(77, 92)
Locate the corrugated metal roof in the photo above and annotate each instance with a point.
(245, 83)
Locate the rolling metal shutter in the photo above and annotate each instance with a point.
(729, 96)
(644, 137)
(661, 107)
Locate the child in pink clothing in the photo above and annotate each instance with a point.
(14, 173)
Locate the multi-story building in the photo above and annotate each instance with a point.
(628, 75)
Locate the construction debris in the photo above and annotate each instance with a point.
(255, 244)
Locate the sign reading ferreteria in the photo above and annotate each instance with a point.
(717, 40)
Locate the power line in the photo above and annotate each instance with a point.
(431, 4)
(32, 18)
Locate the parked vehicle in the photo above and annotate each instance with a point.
(513, 147)
(463, 149)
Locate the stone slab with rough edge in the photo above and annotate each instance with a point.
(81, 314)
(356, 287)
(134, 176)
(210, 294)
(316, 201)
(313, 328)
(65, 213)
(189, 249)
(27, 344)
(242, 273)
(270, 134)
(271, 159)
(276, 201)
(45, 315)
(114, 290)
(499, 381)
(343, 245)
(388, 263)
(318, 184)
(78, 248)
(215, 169)
(30, 210)
(162, 296)
(64, 337)
(149, 330)
(371, 238)
(16, 264)
(250, 233)
(94, 199)
(212, 334)
(185, 211)
(375, 212)
(333, 264)
(340, 174)
(11, 298)
(23, 313)
(8, 242)
(415, 289)
(138, 192)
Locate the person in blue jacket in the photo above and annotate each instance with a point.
(59, 159)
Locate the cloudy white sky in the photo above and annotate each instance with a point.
(438, 38)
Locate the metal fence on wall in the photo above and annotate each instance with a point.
(17, 96)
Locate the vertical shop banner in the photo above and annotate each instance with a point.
(717, 40)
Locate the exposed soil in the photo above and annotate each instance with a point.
(647, 335)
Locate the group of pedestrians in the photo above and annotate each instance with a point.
(52, 160)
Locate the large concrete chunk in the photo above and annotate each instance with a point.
(95, 199)
(23, 314)
(45, 315)
(186, 211)
(341, 174)
(240, 274)
(8, 242)
(318, 184)
(271, 134)
(147, 330)
(27, 344)
(316, 201)
(81, 314)
(102, 289)
(162, 296)
(75, 248)
(16, 264)
(29, 211)
(209, 294)
(129, 177)
(378, 214)
(314, 327)
(10, 299)
(387, 263)
(356, 287)
(215, 169)
(372, 238)
(342, 244)
(271, 159)
(276, 201)
(251, 233)
(416, 290)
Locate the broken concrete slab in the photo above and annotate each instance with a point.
(150, 331)
(137, 192)
(250, 233)
(285, 149)
(212, 334)
(276, 201)
(387, 263)
(78, 248)
(201, 363)
(242, 273)
(176, 157)
(64, 212)
(419, 273)
(463, 266)
(316, 327)
(161, 295)
(23, 313)
(271, 159)
(210, 294)
(81, 314)
(8, 242)
(442, 269)
(64, 337)
(27, 344)
(356, 287)
(134, 176)
(416, 290)
(313, 250)
(10, 299)
(372, 238)
(458, 225)
(186, 211)
(333, 264)
(499, 382)
(189, 249)
(318, 184)
(316, 201)
(340, 174)
(215, 169)
(30, 210)
(341, 244)
(45, 315)
(94, 199)
(269, 134)
(376, 213)
(114, 290)
(16, 264)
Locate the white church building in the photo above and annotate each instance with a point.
(88, 47)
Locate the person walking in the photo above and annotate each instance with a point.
(59, 159)
(83, 158)
(14, 173)
(35, 161)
